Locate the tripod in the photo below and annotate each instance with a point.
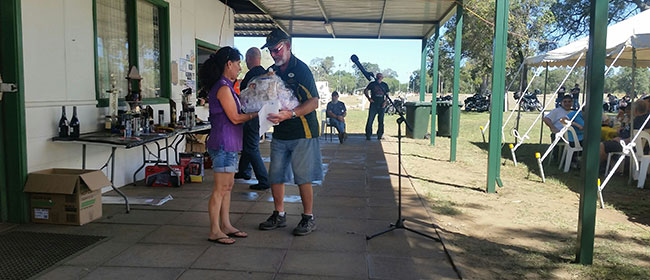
(399, 224)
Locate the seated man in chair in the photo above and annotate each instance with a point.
(640, 114)
(336, 113)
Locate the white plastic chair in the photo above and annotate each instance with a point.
(567, 153)
(644, 158)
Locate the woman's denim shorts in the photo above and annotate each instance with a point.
(223, 161)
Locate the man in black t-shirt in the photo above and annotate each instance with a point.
(336, 114)
(378, 89)
(295, 137)
(250, 154)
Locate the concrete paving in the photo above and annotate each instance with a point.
(358, 197)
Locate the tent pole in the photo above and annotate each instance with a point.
(455, 111)
(423, 69)
(436, 50)
(634, 71)
(498, 87)
(595, 73)
(541, 124)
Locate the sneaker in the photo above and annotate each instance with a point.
(306, 226)
(242, 176)
(341, 137)
(259, 187)
(275, 221)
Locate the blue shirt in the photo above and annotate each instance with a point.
(579, 120)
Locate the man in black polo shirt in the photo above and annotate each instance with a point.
(250, 154)
(336, 113)
(295, 138)
(377, 99)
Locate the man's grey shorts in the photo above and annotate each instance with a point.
(303, 155)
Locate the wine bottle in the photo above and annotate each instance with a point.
(74, 124)
(63, 124)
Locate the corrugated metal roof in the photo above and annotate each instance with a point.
(388, 19)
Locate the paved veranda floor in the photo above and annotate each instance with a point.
(357, 197)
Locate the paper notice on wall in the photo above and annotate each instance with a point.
(41, 214)
(268, 108)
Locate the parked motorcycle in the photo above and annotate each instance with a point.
(398, 105)
(478, 102)
(529, 102)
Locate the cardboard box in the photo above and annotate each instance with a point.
(66, 196)
(195, 143)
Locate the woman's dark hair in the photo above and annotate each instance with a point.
(212, 69)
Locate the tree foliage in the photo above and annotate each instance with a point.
(572, 16)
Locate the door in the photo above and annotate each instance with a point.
(13, 155)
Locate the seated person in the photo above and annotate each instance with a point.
(607, 132)
(577, 124)
(553, 119)
(336, 113)
(640, 114)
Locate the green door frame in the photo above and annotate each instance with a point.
(455, 110)
(13, 148)
(595, 73)
(502, 8)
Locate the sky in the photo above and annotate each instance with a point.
(403, 56)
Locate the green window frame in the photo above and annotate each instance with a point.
(204, 46)
(133, 57)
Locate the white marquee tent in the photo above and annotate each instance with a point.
(632, 34)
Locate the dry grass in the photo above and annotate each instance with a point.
(528, 229)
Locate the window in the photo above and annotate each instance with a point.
(132, 33)
(203, 52)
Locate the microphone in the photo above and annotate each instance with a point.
(368, 75)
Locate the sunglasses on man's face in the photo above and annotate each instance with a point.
(276, 50)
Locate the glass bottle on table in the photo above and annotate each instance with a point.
(75, 129)
(64, 128)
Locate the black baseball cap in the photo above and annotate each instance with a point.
(275, 37)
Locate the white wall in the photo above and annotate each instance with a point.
(59, 70)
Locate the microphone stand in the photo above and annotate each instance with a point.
(399, 224)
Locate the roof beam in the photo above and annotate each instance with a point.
(329, 29)
(300, 35)
(357, 20)
(381, 23)
(260, 6)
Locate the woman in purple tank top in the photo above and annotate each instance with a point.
(226, 118)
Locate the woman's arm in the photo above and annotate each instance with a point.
(230, 107)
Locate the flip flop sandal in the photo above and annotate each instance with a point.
(219, 240)
(238, 234)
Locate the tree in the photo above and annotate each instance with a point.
(528, 19)
(322, 67)
(572, 16)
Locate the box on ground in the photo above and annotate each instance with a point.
(193, 165)
(195, 143)
(66, 196)
(162, 176)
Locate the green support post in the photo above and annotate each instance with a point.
(434, 92)
(595, 74)
(13, 152)
(455, 111)
(498, 89)
(423, 70)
